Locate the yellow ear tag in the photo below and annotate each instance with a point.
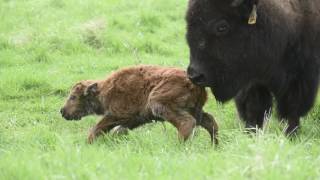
(253, 16)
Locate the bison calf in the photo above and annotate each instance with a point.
(134, 96)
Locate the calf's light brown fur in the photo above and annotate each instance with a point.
(133, 96)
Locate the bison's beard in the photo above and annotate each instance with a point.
(224, 90)
(223, 94)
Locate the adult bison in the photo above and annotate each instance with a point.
(255, 50)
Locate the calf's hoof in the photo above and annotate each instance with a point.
(91, 136)
(119, 130)
(90, 139)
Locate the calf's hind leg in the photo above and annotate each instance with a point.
(182, 120)
(210, 125)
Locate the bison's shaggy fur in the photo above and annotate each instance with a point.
(275, 56)
(137, 95)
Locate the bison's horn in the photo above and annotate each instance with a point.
(253, 15)
(236, 3)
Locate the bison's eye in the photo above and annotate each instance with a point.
(219, 28)
(72, 98)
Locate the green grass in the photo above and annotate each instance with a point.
(48, 45)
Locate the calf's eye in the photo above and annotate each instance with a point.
(73, 98)
(219, 28)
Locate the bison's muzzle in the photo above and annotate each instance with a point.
(196, 77)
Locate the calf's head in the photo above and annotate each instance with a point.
(82, 101)
(228, 44)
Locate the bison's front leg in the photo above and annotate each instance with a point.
(103, 126)
(293, 126)
(253, 103)
(298, 98)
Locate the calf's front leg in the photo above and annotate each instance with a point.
(103, 126)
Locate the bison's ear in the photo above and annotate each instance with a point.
(251, 5)
(92, 89)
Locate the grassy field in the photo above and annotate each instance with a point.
(48, 45)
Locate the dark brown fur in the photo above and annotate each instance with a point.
(276, 57)
(137, 95)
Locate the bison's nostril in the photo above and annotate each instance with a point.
(199, 78)
(195, 77)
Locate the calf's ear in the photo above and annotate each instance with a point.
(92, 89)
